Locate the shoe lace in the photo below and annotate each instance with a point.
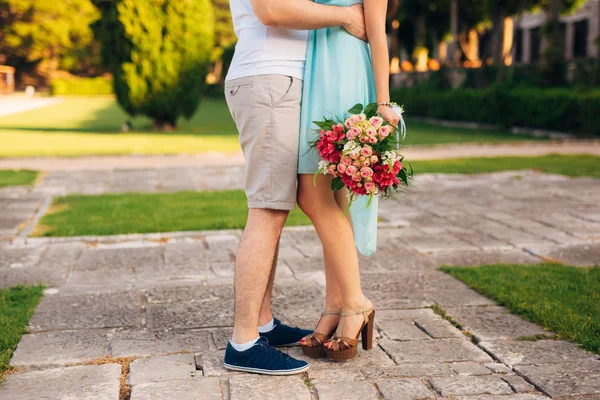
(274, 352)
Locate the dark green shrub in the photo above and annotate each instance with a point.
(81, 86)
(550, 109)
(158, 52)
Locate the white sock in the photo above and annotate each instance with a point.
(268, 327)
(243, 346)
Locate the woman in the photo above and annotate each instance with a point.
(341, 71)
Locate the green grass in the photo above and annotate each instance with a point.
(17, 178)
(144, 213)
(569, 165)
(16, 307)
(81, 126)
(564, 300)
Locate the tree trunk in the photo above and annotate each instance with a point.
(553, 51)
(453, 57)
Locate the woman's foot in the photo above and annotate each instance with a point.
(312, 345)
(355, 321)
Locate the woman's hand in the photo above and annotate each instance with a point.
(389, 115)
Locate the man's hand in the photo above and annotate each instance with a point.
(355, 24)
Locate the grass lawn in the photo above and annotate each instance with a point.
(569, 165)
(565, 300)
(144, 213)
(91, 126)
(16, 307)
(17, 178)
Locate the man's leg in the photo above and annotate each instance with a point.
(266, 315)
(253, 269)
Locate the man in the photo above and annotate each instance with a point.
(263, 90)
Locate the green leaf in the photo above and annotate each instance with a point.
(403, 176)
(357, 109)
(322, 124)
(337, 184)
(371, 110)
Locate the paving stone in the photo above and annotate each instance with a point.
(87, 311)
(404, 389)
(221, 337)
(346, 391)
(38, 350)
(498, 368)
(193, 253)
(540, 352)
(162, 369)
(433, 351)
(438, 328)
(149, 343)
(19, 257)
(470, 369)
(335, 375)
(471, 385)
(364, 359)
(461, 295)
(583, 254)
(93, 382)
(581, 377)
(490, 323)
(401, 330)
(496, 256)
(211, 364)
(202, 389)
(518, 384)
(511, 397)
(414, 314)
(408, 371)
(245, 387)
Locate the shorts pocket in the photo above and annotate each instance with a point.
(275, 91)
(234, 89)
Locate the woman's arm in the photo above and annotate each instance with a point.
(307, 15)
(375, 18)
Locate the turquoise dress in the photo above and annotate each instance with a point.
(338, 75)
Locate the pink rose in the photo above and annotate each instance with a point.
(376, 122)
(366, 172)
(366, 151)
(351, 170)
(370, 187)
(372, 140)
(357, 164)
(371, 132)
(354, 155)
(357, 178)
(342, 168)
(361, 117)
(349, 123)
(367, 163)
(374, 159)
(384, 131)
(364, 139)
(347, 160)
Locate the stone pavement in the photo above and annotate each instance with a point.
(153, 313)
(414, 153)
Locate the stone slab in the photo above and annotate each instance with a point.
(244, 387)
(346, 391)
(93, 382)
(335, 375)
(471, 385)
(401, 330)
(149, 343)
(540, 352)
(404, 389)
(491, 323)
(408, 371)
(470, 369)
(434, 351)
(201, 388)
(364, 359)
(585, 254)
(476, 258)
(565, 379)
(512, 397)
(518, 384)
(39, 350)
(438, 328)
(162, 369)
(211, 365)
(87, 311)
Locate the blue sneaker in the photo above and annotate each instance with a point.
(263, 359)
(285, 336)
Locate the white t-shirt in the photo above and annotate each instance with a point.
(263, 50)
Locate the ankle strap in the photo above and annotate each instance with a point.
(324, 313)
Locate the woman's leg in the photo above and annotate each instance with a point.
(335, 232)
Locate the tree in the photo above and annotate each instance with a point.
(40, 32)
(159, 52)
(224, 35)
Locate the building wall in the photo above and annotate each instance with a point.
(589, 12)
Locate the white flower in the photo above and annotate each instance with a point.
(323, 167)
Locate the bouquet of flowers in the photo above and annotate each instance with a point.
(362, 154)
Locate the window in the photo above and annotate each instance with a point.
(536, 44)
(519, 45)
(580, 42)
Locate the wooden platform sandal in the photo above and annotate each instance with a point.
(313, 346)
(343, 348)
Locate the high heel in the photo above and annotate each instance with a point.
(314, 342)
(344, 348)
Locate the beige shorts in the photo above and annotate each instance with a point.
(266, 110)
